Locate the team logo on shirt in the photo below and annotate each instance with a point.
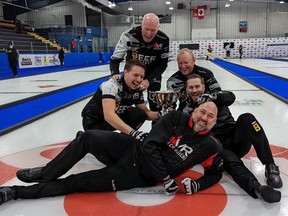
(157, 46)
(143, 58)
(182, 150)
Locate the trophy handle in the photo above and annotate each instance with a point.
(181, 95)
(152, 96)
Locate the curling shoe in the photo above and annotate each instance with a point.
(6, 194)
(268, 194)
(272, 174)
(30, 175)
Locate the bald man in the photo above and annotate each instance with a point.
(176, 143)
(186, 67)
(149, 45)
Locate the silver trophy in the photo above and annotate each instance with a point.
(163, 99)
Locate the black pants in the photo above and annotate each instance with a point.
(247, 132)
(61, 61)
(13, 65)
(113, 149)
(134, 117)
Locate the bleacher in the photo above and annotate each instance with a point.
(25, 42)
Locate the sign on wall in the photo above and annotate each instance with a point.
(243, 26)
(38, 60)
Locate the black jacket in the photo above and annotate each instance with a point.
(115, 89)
(172, 147)
(12, 54)
(154, 54)
(177, 83)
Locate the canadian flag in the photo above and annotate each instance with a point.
(201, 12)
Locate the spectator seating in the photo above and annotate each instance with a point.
(25, 42)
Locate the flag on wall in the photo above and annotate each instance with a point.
(200, 11)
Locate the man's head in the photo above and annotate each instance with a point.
(195, 86)
(204, 116)
(134, 72)
(150, 26)
(186, 61)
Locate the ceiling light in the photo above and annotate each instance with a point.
(168, 2)
(227, 4)
(171, 8)
(130, 8)
(281, 2)
(231, 0)
(111, 4)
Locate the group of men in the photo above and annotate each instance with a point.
(201, 131)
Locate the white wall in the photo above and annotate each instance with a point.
(54, 15)
(265, 19)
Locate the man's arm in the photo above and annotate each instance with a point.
(213, 173)
(221, 98)
(224, 98)
(152, 115)
(211, 176)
(109, 107)
(119, 53)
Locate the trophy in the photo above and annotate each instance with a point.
(164, 99)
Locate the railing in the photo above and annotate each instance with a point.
(31, 47)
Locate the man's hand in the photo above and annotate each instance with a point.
(140, 135)
(116, 77)
(206, 97)
(170, 186)
(144, 85)
(191, 186)
(161, 113)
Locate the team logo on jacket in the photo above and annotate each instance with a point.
(182, 150)
(157, 46)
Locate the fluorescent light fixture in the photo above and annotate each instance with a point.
(231, 0)
(168, 2)
(171, 8)
(111, 4)
(281, 2)
(227, 4)
(130, 8)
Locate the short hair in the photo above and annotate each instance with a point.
(133, 62)
(186, 51)
(196, 76)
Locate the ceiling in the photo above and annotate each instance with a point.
(12, 8)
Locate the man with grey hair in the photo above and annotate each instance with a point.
(149, 45)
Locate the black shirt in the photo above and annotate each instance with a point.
(177, 83)
(117, 90)
(173, 146)
(153, 54)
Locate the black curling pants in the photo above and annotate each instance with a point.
(237, 143)
(115, 150)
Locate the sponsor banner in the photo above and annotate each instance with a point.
(38, 60)
(277, 46)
